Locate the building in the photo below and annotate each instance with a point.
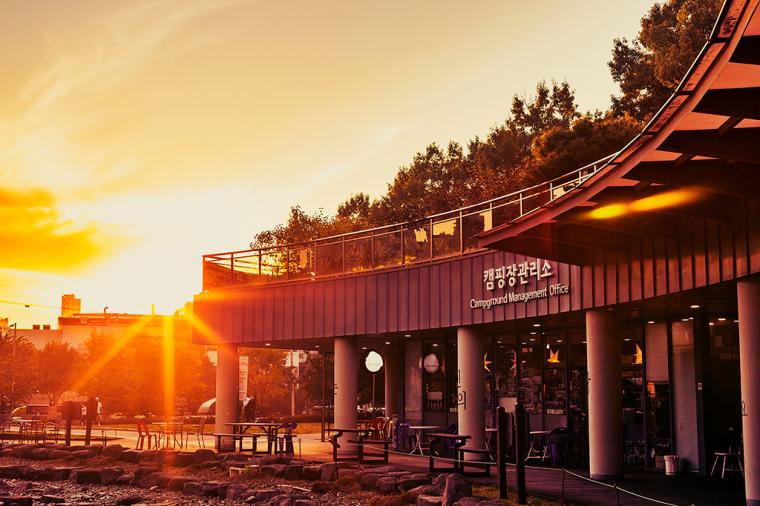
(620, 301)
(75, 327)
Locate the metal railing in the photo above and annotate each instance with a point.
(447, 234)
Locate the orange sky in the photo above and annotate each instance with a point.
(136, 136)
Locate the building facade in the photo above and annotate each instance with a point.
(619, 301)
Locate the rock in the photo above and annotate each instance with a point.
(109, 475)
(472, 501)
(329, 472)
(113, 451)
(368, 481)
(87, 476)
(264, 494)
(80, 454)
(439, 482)
(456, 488)
(192, 488)
(282, 500)
(129, 500)
(143, 471)
(95, 450)
(422, 490)
(131, 456)
(312, 472)
(387, 485)
(235, 491)
(274, 469)
(23, 451)
(429, 500)
(413, 480)
(275, 459)
(204, 455)
(209, 488)
(293, 472)
(304, 502)
(322, 487)
(148, 456)
(182, 459)
(51, 499)
(16, 500)
(124, 479)
(54, 473)
(178, 482)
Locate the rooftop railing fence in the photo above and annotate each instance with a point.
(447, 234)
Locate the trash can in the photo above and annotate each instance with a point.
(671, 465)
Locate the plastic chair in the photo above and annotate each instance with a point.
(198, 433)
(143, 434)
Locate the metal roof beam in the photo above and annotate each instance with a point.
(738, 103)
(747, 51)
(739, 144)
(714, 176)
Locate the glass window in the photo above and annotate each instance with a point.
(555, 388)
(530, 377)
(434, 376)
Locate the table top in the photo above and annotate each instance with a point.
(335, 429)
(253, 424)
(424, 427)
(447, 435)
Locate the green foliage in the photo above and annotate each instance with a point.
(649, 68)
(18, 377)
(268, 381)
(56, 368)
(310, 380)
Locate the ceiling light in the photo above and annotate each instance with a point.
(524, 343)
(532, 339)
(694, 306)
(536, 324)
(533, 333)
(736, 321)
(407, 335)
(267, 344)
(435, 345)
(559, 340)
(626, 339)
(387, 342)
(684, 319)
(721, 319)
(364, 347)
(316, 346)
(650, 322)
(711, 323)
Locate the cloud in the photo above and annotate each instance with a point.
(35, 237)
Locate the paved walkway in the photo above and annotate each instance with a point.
(549, 482)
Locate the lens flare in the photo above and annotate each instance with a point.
(609, 211)
(169, 369)
(662, 200)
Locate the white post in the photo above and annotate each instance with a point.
(748, 294)
(227, 390)
(605, 396)
(471, 389)
(346, 363)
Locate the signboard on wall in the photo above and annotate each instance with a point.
(514, 276)
(243, 378)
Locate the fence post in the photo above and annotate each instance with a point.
(68, 409)
(563, 484)
(520, 453)
(501, 451)
(91, 407)
(617, 494)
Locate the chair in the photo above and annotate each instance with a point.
(197, 431)
(403, 436)
(143, 434)
(375, 427)
(726, 457)
(285, 440)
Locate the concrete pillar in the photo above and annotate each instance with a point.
(605, 396)
(471, 389)
(748, 295)
(227, 392)
(346, 363)
(394, 381)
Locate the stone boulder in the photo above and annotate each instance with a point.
(192, 488)
(204, 455)
(413, 480)
(113, 451)
(16, 500)
(294, 472)
(235, 491)
(312, 473)
(387, 485)
(422, 490)
(132, 456)
(178, 482)
(429, 500)
(456, 488)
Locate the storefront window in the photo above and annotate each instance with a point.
(530, 376)
(505, 374)
(632, 361)
(434, 376)
(555, 388)
(658, 394)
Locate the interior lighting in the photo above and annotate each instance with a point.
(316, 346)
(711, 323)
(736, 321)
(435, 345)
(536, 324)
(627, 339)
(721, 319)
(694, 306)
(684, 319)
(650, 322)
(387, 342)
(532, 339)
(533, 333)
(407, 335)
(364, 347)
(267, 344)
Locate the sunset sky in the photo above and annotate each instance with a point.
(137, 135)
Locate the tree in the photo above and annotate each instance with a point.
(268, 380)
(17, 371)
(56, 365)
(311, 379)
(591, 137)
(649, 68)
(300, 227)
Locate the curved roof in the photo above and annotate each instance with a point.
(699, 150)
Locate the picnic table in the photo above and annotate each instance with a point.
(361, 434)
(458, 440)
(268, 428)
(419, 434)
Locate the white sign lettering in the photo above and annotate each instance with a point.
(509, 275)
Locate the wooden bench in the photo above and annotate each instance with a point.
(371, 458)
(459, 440)
(237, 437)
(485, 465)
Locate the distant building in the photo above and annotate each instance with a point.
(75, 327)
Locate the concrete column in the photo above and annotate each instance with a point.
(394, 381)
(605, 396)
(748, 294)
(227, 392)
(346, 363)
(471, 389)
